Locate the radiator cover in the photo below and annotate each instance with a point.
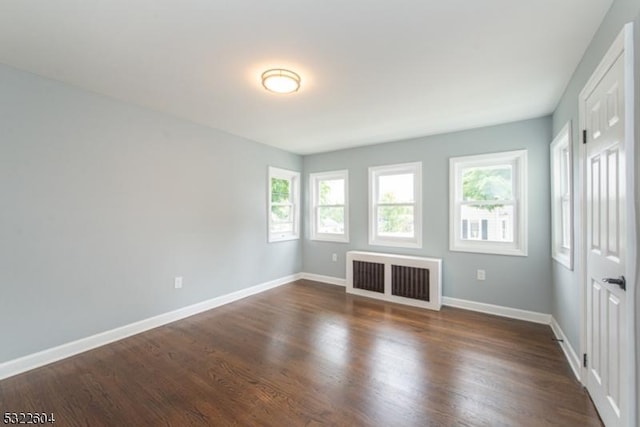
(410, 280)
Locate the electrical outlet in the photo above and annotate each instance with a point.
(334, 257)
(481, 275)
(177, 282)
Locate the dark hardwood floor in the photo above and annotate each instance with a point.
(308, 354)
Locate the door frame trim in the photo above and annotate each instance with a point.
(623, 45)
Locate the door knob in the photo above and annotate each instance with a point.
(620, 281)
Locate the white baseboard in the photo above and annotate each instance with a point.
(570, 354)
(44, 357)
(498, 310)
(324, 279)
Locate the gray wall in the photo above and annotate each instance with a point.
(104, 203)
(565, 296)
(518, 282)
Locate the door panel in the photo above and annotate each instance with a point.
(606, 226)
(613, 205)
(596, 363)
(614, 353)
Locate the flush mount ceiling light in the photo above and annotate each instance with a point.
(279, 80)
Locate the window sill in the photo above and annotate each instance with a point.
(564, 260)
(283, 238)
(396, 243)
(330, 238)
(489, 250)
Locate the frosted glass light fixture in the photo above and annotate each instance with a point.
(279, 80)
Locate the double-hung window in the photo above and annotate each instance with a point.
(329, 206)
(284, 204)
(395, 205)
(561, 210)
(488, 203)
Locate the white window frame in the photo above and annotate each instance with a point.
(398, 169)
(294, 178)
(314, 191)
(518, 160)
(560, 172)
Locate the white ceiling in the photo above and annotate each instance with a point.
(372, 70)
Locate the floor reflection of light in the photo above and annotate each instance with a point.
(398, 365)
(398, 362)
(331, 341)
(276, 347)
(470, 390)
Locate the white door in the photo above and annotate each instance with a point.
(607, 350)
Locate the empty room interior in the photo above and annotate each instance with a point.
(288, 213)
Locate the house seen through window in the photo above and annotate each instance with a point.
(488, 201)
(487, 210)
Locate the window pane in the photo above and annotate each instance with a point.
(280, 214)
(395, 188)
(487, 183)
(331, 220)
(331, 192)
(280, 190)
(480, 223)
(395, 221)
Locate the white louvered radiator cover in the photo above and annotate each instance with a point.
(404, 279)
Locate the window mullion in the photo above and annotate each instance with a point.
(396, 204)
(511, 202)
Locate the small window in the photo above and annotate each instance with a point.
(284, 204)
(488, 203)
(395, 207)
(329, 206)
(475, 229)
(561, 198)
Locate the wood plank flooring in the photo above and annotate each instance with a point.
(308, 354)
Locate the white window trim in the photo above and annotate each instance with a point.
(561, 254)
(294, 177)
(314, 180)
(400, 242)
(519, 246)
